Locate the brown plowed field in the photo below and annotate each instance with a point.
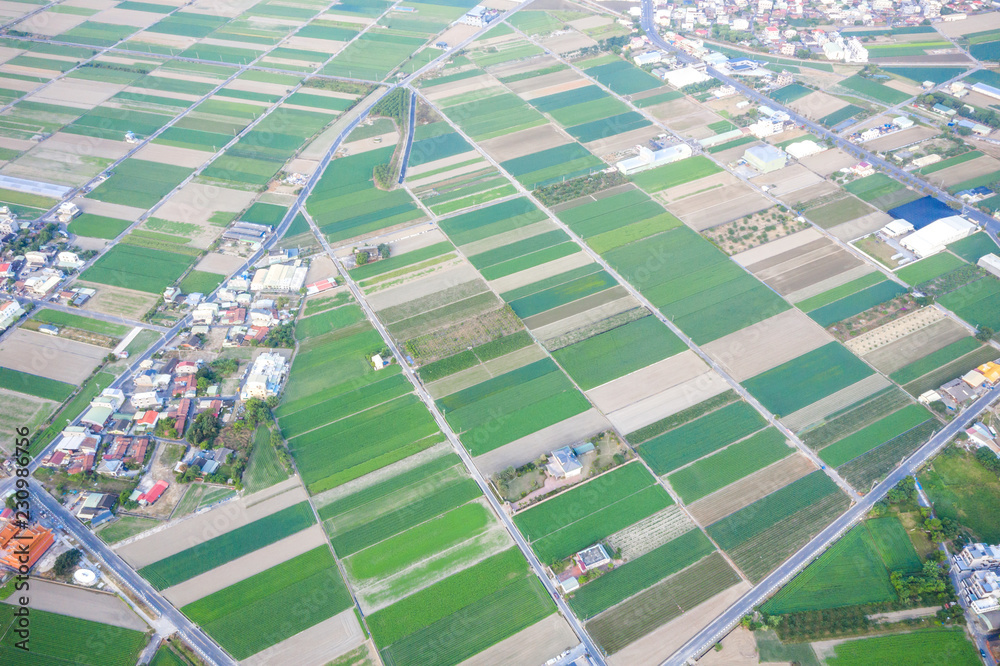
(750, 488)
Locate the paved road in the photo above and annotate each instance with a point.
(409, 137)
(418, 386)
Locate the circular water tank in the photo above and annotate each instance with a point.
(84, 577)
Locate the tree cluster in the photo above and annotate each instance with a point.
(279, 336)
(204, 430)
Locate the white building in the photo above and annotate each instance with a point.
(280, 277)
(988, 90)
(902, 122)
(766, 127)
(478, 17)
(854, 51)
(935, 236)
(765, 158)
(896, 228)
(69, 260)
(145, 400)
(67, 211)
(648, 58)
(805, 148)
(10, 312)
(990, 262)
(265, 376)
(685, 76)
(648, 159)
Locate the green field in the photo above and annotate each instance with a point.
(853, 571)
(618, 352)
(835, 294)
(977, 303)
(944, 647)
(874, 90)
(840, 115)
(226, 547)
(61, 639)
(729, 465)
(808, 378)
(678, 173)
(857, 303)
(790, 93)
(42, 387)
(264, 468)
(139, 268)
(552, 165)
(200, 282)
(97, 226)
(241, 617)
(929, 268)
(962, 489)
(700, 437)
(139, 183)
(974, 247)
(60, 318)
(125, 527)
(854, 417)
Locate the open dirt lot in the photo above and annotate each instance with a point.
(767, 344)
(195, 203)
(190, 531)
(221, 264)
(739, 648)
(713, 182)
(802, 266)
(717, 206)
(568, 42)
(685, 116)
(79, 93)
(524, 142)
(828, 161)
(669, 401)
(923, 341)
(643, 383)
(750, 488)
(433, 283)
(657, 645)
(846, 396)
(816, 105)
(792, 178)
(81, 602)
(457, 33)
(899, 139)
(185, 157)
(864, 225)
(624, 141)
(66, 159)
(794, 198)
(977, 23)
(574, 429)
(246, 566)
(535, 645)
(117, 301)
(315, 646)
(56, 358)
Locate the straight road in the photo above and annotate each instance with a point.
(409, 138)
(445, 428)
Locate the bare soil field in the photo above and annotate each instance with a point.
(471, 84)
(817, 105)
(66, 159)
(371, 143)
(864, 225)
(83, 603)
(792, 178)
(548, 333)
(829, 283)
(547, 84)
(591, 22)
(767, 344)
(458, 381)
(964, 171)
(525, 142)
(321, 267)
(828, 161)
(56, 358)
(195, 203)
(713, 182)
(568, 42)
(660, 405)
(535, 645)
(804, 266)
(657, 645)
(507, 237)
(521, 66)
(926, 340)
(894, 330)
(739, 648)
(750, 488)
(795, 198)
(131, 17)
(185, 157)
(50, 23)
(573, 430)
(79, 93)
(977, 23)
(706, 210)
(679, 108)
(433, 283)
(221, 264)
(192, 530)
(900, 139)
(456, 34)
(317, 645)
(246, 566)
(117, 301)
(620, 142)
(846, 396)
(412, 173)
(652, 379)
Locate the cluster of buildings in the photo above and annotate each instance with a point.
(650, 159)
(927, 239)
(479, 16)
(22, 545)
(247, 316)
(964, 390)
(38, 273)
(977, 567)
(265, 377)
(895, 125)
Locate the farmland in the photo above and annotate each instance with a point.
(940, 647)
(139, 268)
(868, 438)
(41, 387)
(64, 639)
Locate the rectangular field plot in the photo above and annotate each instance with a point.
(241, 617)
(729, 465)
(677, 173)
(974, 247)
(874, 90)
(977, 303)
(865, 470)
(872, 436)
(597, 220)
(857, 302)
(29, 384)
(623, 78)
(701, 437)
(759, 536)
(695, 284)
(807, 379)
(494, 116)
(139, 183)
(854, 417)
(97, 226)
(943, 646)
(227, 547)
(618, 352)
(591, 511)
(549, 166)
(139, 268)
(490, 221)
(512, 405)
